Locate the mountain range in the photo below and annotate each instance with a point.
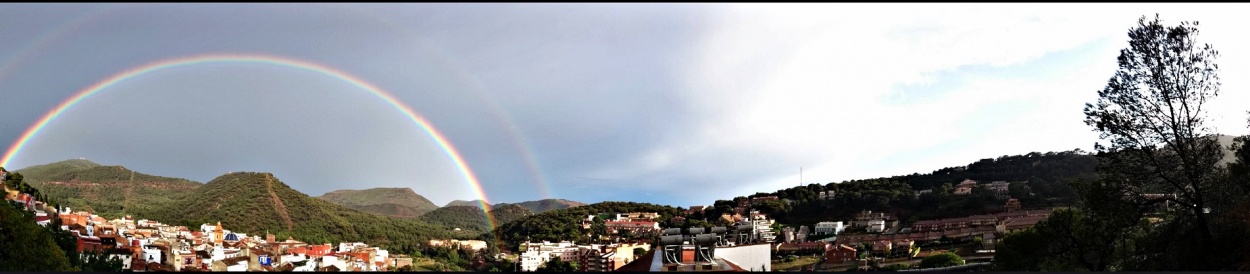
(538, 206)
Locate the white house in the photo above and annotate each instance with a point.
(293, 258)
(328, 261)
(381, 255)
(347, 247)
(825, 228)
(151, 254)
(876, 226)
(530, 260)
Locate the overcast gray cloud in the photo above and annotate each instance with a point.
(674, 104)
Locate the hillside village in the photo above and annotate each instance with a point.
(749, 241)
(745, 240)
(148, 245)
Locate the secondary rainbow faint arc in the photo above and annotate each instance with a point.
(260, 59)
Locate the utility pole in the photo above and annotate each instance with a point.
(800, 176)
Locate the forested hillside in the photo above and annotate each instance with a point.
(109, 191)
(472, 218)
(1038, 179)
(394, 202)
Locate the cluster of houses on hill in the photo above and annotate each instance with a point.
(843, 241)
(146, 245)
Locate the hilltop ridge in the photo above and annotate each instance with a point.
(394, 202)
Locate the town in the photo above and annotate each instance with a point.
(744, 240)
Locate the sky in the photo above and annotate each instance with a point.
(677, 104)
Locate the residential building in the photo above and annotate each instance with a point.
(987, 241)
(965, 187)
(638, 216)
(677, 220)
(588, 222)
(840, 254)
(596, 260)
(534, 255)
(876, 226)
(761, 230)
(864, 217)
(969, 183)
(903, 248)
(1000, 189)
(1012, 205)
(635, 227)
(757, 215)
(475, 245)
(882, 248)
(826, 195)
(624, 253)
(400, 260)
(787, 234)
(694, 209)
(954, 223)
(963, 191)
(827, 228)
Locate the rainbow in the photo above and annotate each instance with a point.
(442, 142)
(475, 88)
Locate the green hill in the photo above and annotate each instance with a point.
(465, 203)
(394, 202)
(109, 191)
(472, 218)
(254, 203)
(58, 169)
(545, 205)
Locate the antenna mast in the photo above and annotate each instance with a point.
(800, 176)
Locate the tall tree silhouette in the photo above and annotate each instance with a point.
(1151, 116)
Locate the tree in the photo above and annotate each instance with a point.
(556, 265)
(944, 259)
(1021, 251)
(1151, 116)
(28, 247)
(1239, 169)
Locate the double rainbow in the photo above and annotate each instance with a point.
(442, 142)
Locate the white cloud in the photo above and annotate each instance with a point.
(807, 83)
